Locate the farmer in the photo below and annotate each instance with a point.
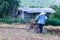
(40, 19)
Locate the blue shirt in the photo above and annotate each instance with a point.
(41, 19)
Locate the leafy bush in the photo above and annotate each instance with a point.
(13, 20)
(53, 21)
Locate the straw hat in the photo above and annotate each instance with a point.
(42, 13)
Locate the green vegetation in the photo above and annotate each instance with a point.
(55, 18)
(13, 20)
(53, 21)
(8, 8)
(57, 9)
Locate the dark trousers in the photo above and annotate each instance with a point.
(40, 28)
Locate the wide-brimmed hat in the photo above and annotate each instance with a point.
(42, 13)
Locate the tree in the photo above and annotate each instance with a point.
(8, 7)
(57, 9)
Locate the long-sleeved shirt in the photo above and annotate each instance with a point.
(41, 19)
